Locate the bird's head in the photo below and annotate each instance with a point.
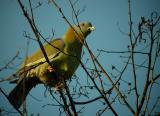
(84, 28)
(80, 31)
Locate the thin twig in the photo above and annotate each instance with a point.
(147, 83)
(132, 44)
(70, 99)
(65, 103)
(121, 52)
(6, 66)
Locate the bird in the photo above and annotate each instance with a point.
(63, 53)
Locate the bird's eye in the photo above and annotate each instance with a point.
(83, 24)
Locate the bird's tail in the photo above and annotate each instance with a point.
(19, 93)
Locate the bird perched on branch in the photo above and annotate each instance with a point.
(64, 55)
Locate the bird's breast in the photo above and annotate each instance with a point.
(67, 66)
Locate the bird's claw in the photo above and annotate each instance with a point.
(50, 69)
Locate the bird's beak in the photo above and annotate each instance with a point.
(91, 28)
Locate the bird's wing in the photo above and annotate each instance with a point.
(52, 49)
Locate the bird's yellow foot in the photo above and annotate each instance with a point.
(50, 69)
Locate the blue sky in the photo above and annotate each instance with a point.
(106, 15)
